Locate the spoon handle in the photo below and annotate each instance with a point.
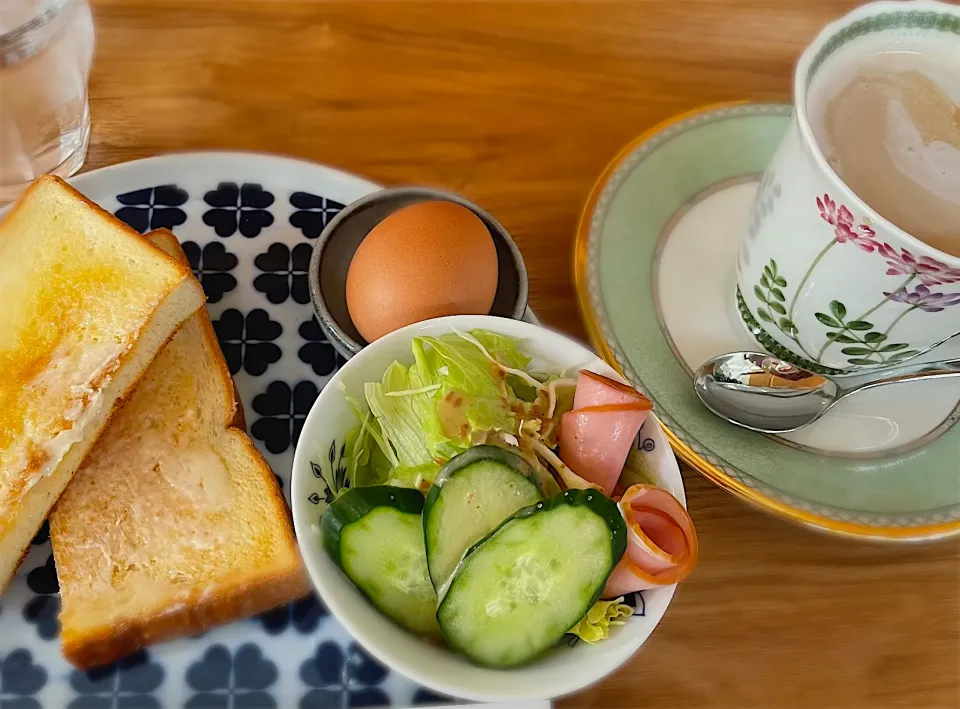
(927, 370)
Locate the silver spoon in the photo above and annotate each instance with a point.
(766, 394)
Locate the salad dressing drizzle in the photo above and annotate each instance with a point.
(451, 412)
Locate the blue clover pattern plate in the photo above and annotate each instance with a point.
(247, 224)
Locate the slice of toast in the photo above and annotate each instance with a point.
(85, 305)
(175, 522)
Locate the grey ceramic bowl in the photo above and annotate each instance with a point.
(340, 239)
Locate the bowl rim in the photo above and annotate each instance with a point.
(309, 549)
(325, 317)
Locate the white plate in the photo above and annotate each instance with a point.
(247, 223)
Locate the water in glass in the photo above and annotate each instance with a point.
(46, 47)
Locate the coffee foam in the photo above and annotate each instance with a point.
(930, 158)
(888, 121)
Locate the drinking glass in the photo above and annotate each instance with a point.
(46, 47)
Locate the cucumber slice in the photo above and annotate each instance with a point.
(375, 534)
(521, 589)
(471, 496)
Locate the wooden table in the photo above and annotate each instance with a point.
(518, 106)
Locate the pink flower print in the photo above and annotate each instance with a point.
(921, 297)
(844, 217)
(862, 236)
(828, 209)
(842, 220)
(930, 271)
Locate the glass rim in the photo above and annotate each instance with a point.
(20, 34)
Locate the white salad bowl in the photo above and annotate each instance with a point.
(319, 455)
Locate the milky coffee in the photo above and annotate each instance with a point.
(888, 123)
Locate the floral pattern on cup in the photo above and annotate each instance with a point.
(864, 344)
(844, 227)
(928, 271)
(766, 198)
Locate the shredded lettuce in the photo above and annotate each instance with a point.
(420, 476)
(472, 395)
(359, 450)
(497, 341)
(504, 349)
(522, 390)
(637, 470)
(400, 417)
(369, 458)
(604, 615)
(418, 417)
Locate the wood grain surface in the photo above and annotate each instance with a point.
(519, 106)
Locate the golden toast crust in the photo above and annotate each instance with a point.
(41, 452)
(37, 458)
(194, 615)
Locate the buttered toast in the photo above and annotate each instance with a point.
(174, 523)
(85, 305)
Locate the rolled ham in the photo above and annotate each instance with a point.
(661, 542)
(596, 436)
(597, 390)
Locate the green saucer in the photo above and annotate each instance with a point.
(680, 193)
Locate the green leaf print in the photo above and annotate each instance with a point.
(870, 348)
(902, 355)
(769, 291)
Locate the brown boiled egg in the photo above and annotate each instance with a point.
(424, 261)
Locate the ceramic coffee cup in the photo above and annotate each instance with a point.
(823, 280)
